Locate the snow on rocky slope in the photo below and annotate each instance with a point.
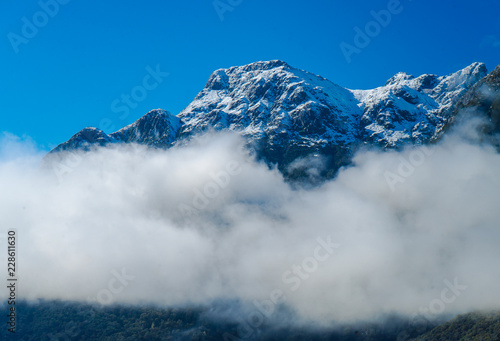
(157, 128)
(287, 113)
(411, 109)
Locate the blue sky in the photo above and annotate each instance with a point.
(72, 68)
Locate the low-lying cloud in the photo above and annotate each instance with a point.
(205, 222)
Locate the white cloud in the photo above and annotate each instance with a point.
(119, 209)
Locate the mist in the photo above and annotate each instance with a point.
(408, 232)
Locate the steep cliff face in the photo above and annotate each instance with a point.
(484, 99)
(157, 128)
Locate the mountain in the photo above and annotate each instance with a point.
(54, 318)
(157, 128)
(414, 110)
(484, 95)
(483, 99)
(287, 114)
(62, 320)
(284, 112)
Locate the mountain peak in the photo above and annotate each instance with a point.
(398, 78)
(152, 115)
(84, 139)
(265, 65)
(273, 99)
(219, 79)
(495, 74)
(484, 97)
(259, 66)
(476, 67)
(157, 128)
(470, 74)
(155, 113)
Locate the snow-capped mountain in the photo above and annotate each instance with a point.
(413, 109)
(157, 128)
(287, 113)
(484, 95)
(483, 99)
(275, 100)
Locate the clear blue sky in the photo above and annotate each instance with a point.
(67, 74)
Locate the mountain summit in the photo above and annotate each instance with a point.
(157, 128)
(286, 113)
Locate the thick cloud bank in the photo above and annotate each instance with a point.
(407, 232)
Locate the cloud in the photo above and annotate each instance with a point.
(205, 222)
(490, 41)
(18, 149)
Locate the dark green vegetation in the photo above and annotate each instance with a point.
(468, 327)
(57, 320)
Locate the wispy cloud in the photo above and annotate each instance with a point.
(491, 41)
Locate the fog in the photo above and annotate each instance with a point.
(408, 232)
